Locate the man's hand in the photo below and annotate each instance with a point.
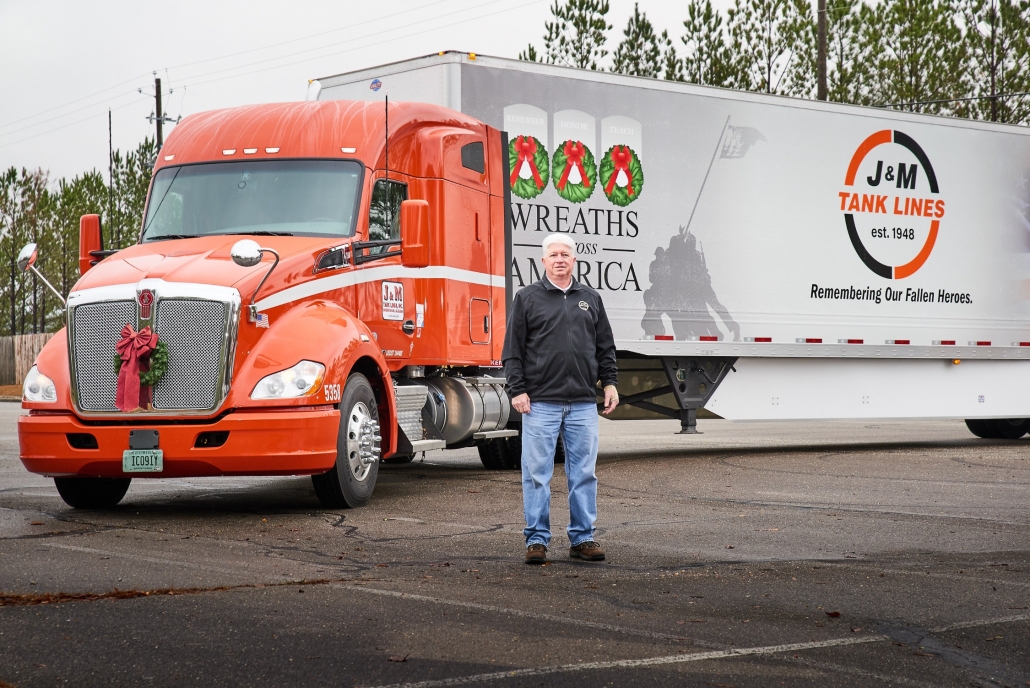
(521, 403)
(611, 399)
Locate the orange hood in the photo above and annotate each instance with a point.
(206, 260)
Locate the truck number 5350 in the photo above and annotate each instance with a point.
(332, 392)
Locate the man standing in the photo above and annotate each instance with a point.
(558, 345)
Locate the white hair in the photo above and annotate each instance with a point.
(559, 239)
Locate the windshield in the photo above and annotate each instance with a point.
(277, 197)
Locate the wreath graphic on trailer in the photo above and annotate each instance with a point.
(528, 166)
(574, 171)
(622, 176)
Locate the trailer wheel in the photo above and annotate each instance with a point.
(1010, 428)
(981, 428)
(92, 493)
(350, 482)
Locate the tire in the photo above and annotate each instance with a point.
(92, 493)
(999, 428)
(493, 454)
(981, 428)
(350, 482)
(1010, 428)
(559, 451)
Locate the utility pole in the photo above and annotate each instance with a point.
(110, 178)
(159, 116)
(821, 58)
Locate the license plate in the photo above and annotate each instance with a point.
(142, 461)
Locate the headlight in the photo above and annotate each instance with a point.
(302, 380)
(38, 387)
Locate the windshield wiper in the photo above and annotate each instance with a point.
(262, 233)
(162, 237)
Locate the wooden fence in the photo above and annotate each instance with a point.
(17, 354)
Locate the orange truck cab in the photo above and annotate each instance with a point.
(317, 286)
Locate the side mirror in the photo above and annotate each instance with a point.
(89, 241)
(27, 257)
(246, 253)
(415, 234)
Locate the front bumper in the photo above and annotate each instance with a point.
(293, 442)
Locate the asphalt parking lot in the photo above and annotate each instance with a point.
(756, 554)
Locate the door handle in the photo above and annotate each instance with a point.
(486, 324)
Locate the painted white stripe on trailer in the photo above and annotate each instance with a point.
(363, 275)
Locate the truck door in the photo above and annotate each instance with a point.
(387, 303)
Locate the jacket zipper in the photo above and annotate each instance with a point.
(568, 341)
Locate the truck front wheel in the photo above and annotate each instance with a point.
(350, 482)
(92, 493)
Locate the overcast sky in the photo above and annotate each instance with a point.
(64, 63)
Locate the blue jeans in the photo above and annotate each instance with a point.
(577, 423)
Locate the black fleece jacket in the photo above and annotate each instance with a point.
(558, 344)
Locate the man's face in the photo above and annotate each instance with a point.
(558, 262)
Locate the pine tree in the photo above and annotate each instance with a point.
(576, 37)
(767, 37)
(998, 60)
(641, 51)
(921, 54)
(707, 60)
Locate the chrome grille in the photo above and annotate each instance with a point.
(194, 333)
(96, 329)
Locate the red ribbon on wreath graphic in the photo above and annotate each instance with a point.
(133, 349)
(621, 158)
(526, 148)
(574, 152)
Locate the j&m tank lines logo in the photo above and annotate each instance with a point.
(892, 206)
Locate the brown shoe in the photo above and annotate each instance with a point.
(587, 551)
(536, 554)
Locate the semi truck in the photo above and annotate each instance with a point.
(321, 286)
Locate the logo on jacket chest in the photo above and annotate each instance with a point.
(584, 305)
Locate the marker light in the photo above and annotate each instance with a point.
(767, 340)
(38, 387)
(850, 341)
(709, 338)
(272, 150)
(170, 157)
(348, 150)
(302, 380)
(229, 151)
(809, 340)
(249, 151)
(897, 341)
(664, 337)
(944, 342)
(979, 343)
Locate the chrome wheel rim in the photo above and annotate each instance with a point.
(363, 450)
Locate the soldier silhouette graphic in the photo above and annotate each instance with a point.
(682, 289)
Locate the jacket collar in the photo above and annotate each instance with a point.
(547, 284)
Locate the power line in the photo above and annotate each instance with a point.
(323, 47)
(72, 102)
(954, 100)
(64, 126)
(67, 114)
(302, 38)
(358, 47)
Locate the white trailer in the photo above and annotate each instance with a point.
(777, 258)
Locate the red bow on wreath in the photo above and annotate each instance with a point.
(132, 348)
(621, 158)
(526, 148)
(574, 152)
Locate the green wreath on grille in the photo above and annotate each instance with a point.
(527, 188)
(158, 365)
(574, 193)
(620, 195)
